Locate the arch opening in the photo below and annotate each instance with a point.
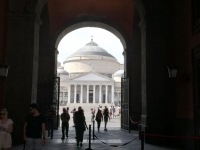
(103, 99)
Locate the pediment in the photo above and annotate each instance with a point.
(91, 77)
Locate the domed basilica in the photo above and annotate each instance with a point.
(90, 75)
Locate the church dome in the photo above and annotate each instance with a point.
(118, 73)
(91, 58)
(60, 70)
(89, 49)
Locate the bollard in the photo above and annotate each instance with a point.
(142, 140)
(89, 148)
(93, 129)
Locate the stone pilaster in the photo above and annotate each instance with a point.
(22, 56)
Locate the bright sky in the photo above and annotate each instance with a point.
(77, 39)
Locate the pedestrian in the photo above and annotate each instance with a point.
(99, 118)
(6, 127)
(73, 112)
(119, 110)
(67, 109)
(65, 123)
(106, 116)
(50, 114)
(93, 114)
(80, 126)
(110, 110)
(75, 119)
(34, 129)
(114, 110)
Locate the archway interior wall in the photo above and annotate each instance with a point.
(134, 72)
(118, 11)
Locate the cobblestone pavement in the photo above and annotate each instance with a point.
(113, 137)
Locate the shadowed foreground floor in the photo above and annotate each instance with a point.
(113, 137)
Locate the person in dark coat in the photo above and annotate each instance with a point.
(80, 126)
(99, 118)
(75, 117)
(65, 123)
(106, 116)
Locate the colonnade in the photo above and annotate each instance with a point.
(94, 91)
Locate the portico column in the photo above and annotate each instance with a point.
(99, 94)
(81, 94)
(106, 94)
(75, 93)
(112, 94)
(94, 94)
(69, 91)
(87, 101)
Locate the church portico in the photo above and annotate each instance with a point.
(90, 93)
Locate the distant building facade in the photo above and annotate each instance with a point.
(90, 75)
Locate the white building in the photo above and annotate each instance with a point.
(90, 75)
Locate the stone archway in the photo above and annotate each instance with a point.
(131, 68)
(28, 22)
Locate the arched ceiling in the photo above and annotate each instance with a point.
(90, 24)
(120, 12)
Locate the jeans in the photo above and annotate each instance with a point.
(98, 124)
(50, 127)
(33, 144)
(105, 120)
(65, 128)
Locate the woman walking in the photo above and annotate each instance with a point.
(106, 116)
(6, 127)
(65, 123)
(80, 126)
(99, 118)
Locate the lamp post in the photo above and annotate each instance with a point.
(3, 71)
(172, 70)
(183, 77)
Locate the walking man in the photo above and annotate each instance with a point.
(50, 115)
(34, 129)
(65, 123)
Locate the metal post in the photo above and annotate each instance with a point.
(89, 139)
(142, 140)
(93, 129)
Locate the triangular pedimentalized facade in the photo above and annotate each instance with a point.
(92, 77)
